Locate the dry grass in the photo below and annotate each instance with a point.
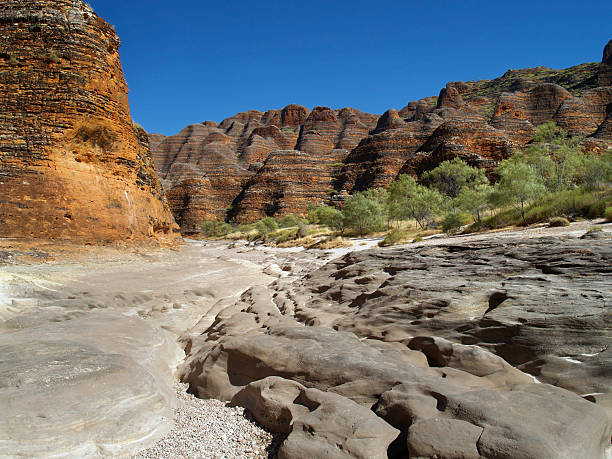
(331, 243)
(307, 241)
(90, 139)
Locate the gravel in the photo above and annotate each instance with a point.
(210, 429)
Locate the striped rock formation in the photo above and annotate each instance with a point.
(248, 165)
(72, 164)
(256, 164)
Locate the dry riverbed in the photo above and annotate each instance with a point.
(91, 338)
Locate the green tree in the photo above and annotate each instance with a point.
(407, 199)
(558, 159)
(400, 192)
(518, 183)
(381, 196)
(362, 214)
(450, 177)
(265, 226)
(424, 205)
(212, 228)
(597, 172)
(289, 220)
(475, 200)
(549, 132)
(325, 215)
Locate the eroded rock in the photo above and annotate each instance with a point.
(72, 163)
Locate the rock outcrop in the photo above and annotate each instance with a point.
(72, 163)
(432, 351)
(605, 69)
(268, 162)
(255, 164)
(495, 295)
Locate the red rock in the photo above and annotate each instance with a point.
(207, 168)
(477, 144)
(72, 164)
(605, 69)
(482, 122)
(287, 182)
(582, 116)
(451, 95)
(378, 158)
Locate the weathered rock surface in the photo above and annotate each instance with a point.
(319, 424)
(72, 164)
(441, 341)
(266, 162)
(82, 384)
(605, 69)
(256, 163)
(88, 348)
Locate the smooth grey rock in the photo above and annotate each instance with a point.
(319, 424)
(401, 393)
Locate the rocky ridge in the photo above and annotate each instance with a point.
(256, 164)
(72, 163)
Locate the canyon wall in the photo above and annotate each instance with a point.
(274, 163)
(72, 163)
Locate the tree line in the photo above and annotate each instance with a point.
(552, 167)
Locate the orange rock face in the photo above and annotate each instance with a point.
(279, 161)
(72, 164)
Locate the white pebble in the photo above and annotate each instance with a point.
(210, 429)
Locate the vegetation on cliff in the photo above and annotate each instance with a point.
(552, 177)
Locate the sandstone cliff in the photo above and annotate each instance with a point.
(256, 164)
(72, 164)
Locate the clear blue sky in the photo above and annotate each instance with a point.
(195, 60)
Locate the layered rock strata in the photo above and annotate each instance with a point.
(256, 163)
(269, 160)
(72, 164)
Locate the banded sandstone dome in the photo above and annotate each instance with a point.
(72, 163)
(274, 163)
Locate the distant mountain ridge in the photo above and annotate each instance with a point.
(277, 162)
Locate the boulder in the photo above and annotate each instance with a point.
(318, 424)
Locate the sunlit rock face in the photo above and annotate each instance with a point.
(72, 164)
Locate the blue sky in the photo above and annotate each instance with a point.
(190, 61)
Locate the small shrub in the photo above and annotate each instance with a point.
(558, 221)
(302, 230)
(265, 226)
(212, 228)
(608, 214)
(97, 135)
(223, 229)
(452, 223)
(597, 210)
(290, 220)
(285, 235)
(246, 227)
(417, 239)
(331, 243)
(393, 237)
